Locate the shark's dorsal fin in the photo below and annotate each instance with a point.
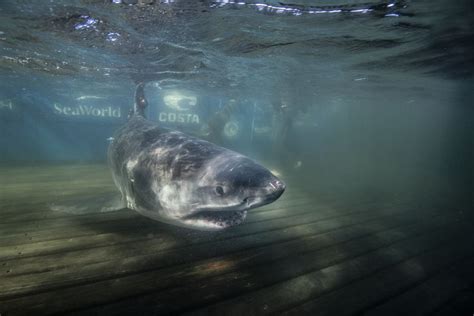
(140, 101)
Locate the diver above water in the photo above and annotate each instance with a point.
(175, 178)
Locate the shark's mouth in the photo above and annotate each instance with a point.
(213, 220)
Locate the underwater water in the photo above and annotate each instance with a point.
(362, 108)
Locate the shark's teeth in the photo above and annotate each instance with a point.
(216, 219)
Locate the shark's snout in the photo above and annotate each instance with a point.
(277, 187)
(270, 193)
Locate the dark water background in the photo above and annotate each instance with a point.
(369, 96)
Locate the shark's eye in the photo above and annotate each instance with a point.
(219, 190)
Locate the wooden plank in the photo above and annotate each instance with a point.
(31, 228)
(363, 293)
(140, 225)
(137, 222)
(21, 233)
(449, 310)
(281, 296)
(461, 304)
(137, 226)
(143, 227)
(25, 282)
(90, 203)
(85, 256)
(24, 250)
(200, 292)
(431, 294)
(176, 239)
(210, 281)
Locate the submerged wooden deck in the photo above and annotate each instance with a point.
(305, 254)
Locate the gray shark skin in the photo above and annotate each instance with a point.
(178, 179)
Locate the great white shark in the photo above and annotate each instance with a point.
(179, 179)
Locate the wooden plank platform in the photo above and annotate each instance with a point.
(308, 253)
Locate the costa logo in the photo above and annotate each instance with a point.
(180, 105)
(180, 101)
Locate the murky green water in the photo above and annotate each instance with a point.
(370, 97)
